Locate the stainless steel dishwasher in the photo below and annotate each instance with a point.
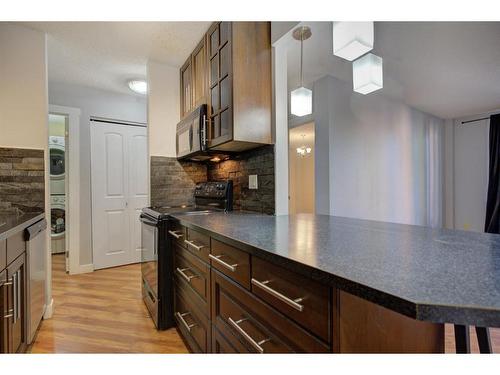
(36, 255)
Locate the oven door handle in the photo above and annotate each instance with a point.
(144, 220)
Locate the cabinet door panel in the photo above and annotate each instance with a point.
(4, 310)
(199, 74)
(186, 86)
(214, 41)
(225, 60)
(17, 332)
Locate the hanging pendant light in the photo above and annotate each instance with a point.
(301, 98)
(352, 39)
(367, 74)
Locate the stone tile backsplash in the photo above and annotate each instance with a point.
(22, 180)
(173, 182)
(260, 162)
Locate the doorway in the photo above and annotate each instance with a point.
(120, 189)
(301, 169)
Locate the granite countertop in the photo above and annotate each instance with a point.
(11, 223)
(437, 275)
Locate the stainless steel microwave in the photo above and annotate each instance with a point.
(191, 135)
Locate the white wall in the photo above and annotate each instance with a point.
(301, 170)
(23, 95)
(466, 172)
(24, 103)
(99, 103)
(163, 108)
(374, 156)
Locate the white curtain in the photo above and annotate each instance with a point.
(434, 168)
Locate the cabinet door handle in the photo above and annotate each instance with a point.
(183, 321)
(10, 314)
(175, 233)
(14, 295)
(196, 247)
(19, 299)
(250, 339)
(290, 302)
(231, 267)
(186, 277)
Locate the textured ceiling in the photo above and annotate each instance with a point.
(106, 55)
(448, 69)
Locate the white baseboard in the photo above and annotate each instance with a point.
(49, 310)
(84, 268)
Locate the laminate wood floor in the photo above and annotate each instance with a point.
(101, 312)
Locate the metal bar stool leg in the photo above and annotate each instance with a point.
(462, 339)
(483, 339)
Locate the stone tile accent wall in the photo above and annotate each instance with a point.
(173, 182)
(22, 180)
(260, 162)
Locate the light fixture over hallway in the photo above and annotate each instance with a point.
(301, 98)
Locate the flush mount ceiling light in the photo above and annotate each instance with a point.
(301, 98)
(352, 39)
(138, 86)
(367, 75)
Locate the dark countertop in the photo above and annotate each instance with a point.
(16, 222)
(437, 275)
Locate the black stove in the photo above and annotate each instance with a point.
(156, 251)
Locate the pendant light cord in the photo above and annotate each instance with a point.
(301, 58)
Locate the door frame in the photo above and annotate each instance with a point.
(72, 237)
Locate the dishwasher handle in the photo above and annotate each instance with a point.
(34, 230)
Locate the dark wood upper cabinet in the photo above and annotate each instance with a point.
(199, 66)
(186, 87)
(193, 77)
(230, 71)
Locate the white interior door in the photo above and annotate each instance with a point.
(119, 189)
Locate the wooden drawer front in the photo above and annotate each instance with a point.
(193, 324)
(225, 342)
(15, 246)
(177, 233)
(3, 254)
(192, 273)
(231, 262)
(258, 326)
(303, 300)
(198, 243)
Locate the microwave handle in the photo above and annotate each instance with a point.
(204, 133)
(191, 138)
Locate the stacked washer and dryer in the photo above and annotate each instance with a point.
(57, 194)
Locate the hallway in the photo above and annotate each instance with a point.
(101, 312)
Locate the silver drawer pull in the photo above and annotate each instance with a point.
(231, 267)
(255, 344)
(175, 233)
(183, 321)
(181, 272)
(10, 314)
(196, 247)
(290, 302)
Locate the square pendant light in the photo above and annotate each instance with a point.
(301, 102)
(367, 74)
(352, 39)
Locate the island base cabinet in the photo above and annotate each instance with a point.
(257, 326)
(364, 327)
(193, 325)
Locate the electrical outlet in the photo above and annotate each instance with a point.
(252, 181)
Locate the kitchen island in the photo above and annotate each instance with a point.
(398, 282)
